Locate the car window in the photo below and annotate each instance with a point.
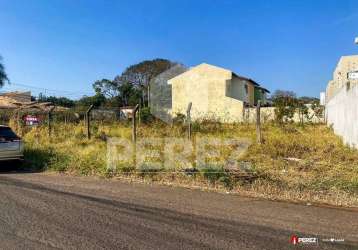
(7, 133)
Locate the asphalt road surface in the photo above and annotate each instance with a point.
(50, 211)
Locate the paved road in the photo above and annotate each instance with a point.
(45, 211)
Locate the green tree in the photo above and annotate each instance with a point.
(303, 111)
(97, 100)
(141, 74)
(108, 88)
(285, 103)
(118, 93)
(318, 109)
(130, 95)
(58, 101)
(3, 77)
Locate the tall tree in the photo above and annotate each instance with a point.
(141, 74)
(108, 88)
(129, 94)
(118, 93)
(3, 76)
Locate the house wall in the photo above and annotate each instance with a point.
(342, 114)
(205, 86)
(261, 95)
(236, 89)
(251, 94)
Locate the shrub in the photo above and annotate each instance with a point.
(285, 108)
(145, 115)
(179, 118)
(213, 173)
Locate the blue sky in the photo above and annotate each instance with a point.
(64, 46)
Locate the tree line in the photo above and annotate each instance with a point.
(132, 87)
(129, 88)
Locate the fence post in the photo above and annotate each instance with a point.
(188, 118)
(139, 115)
(49, 118)
(243, 113)
(258, 122)
(88, 121)
(134, 123)
(19, 130)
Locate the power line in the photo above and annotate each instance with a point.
(47, 90)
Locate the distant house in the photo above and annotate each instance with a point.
(22, 100)
(126, 112)
(215, 92)
(18, 96)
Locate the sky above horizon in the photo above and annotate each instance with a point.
(60, 47)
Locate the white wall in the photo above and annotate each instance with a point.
(342, 114)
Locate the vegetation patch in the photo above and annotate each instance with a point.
(295, 162)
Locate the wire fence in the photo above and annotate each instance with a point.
(23, 120)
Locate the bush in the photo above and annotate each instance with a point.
(285, 108)
(179, 119)
(147, 169)
(213, 173)
(145, 115)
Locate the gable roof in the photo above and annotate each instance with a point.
(257, 85)
(233, 74)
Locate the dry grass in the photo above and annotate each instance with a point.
(323, 169)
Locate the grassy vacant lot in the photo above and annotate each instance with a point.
(299, 163)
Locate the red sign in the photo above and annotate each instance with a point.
(294, 240)
(31, 120)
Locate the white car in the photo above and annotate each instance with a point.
(11, 145)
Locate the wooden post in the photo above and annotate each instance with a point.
(243, 114)
(19, 131)
(88, 121)
(134, 123)
(49, 118)
(139, 115)
(188, 119)
(258, 122)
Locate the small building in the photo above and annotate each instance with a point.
(215, 93)
(126, 112)
(22, 100)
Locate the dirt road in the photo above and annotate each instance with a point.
(45, 211)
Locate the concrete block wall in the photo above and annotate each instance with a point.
(268, 114)
(342, 114)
